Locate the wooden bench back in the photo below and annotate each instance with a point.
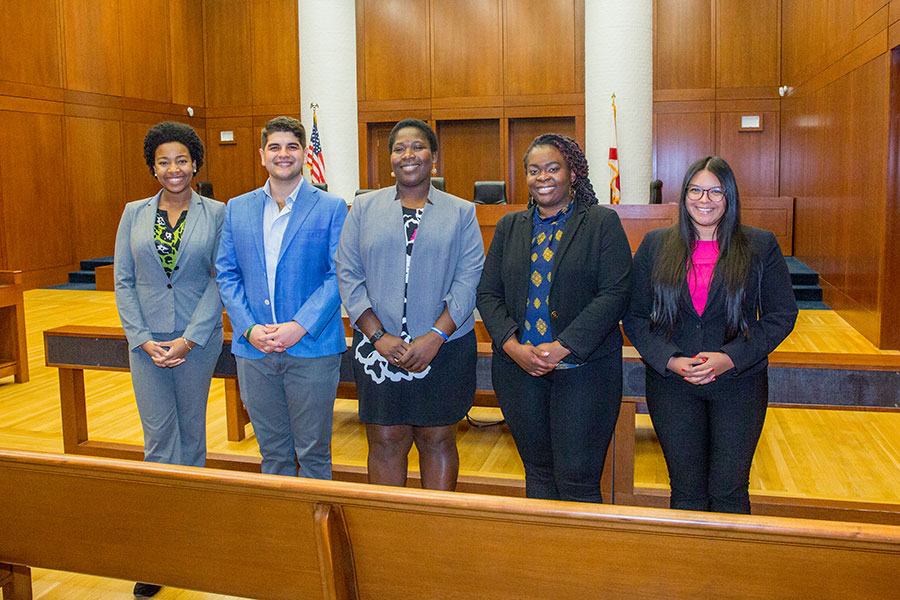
(190, 528)
(271, 537)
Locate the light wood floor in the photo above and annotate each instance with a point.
(811, 453)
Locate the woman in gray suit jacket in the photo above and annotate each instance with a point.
(408, 263)
(167, 298)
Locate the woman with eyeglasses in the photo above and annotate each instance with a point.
(712, 298)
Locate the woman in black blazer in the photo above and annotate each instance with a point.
(712, 298)
(556, 281)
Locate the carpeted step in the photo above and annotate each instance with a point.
(93, 263)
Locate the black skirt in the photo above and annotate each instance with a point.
(439, 396)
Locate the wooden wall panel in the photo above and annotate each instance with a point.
(752, 154)
(837, 138)
(863, 9)
(472, 67)
(684, 45)
(469, 152)
(186, 51)
(145, 50)
(276, 52)
(747, 43)
(30, 42)
(36, 212)
(545, 67)
(379, 155)
(93, 60)
(231, 166)
(139, 183)
(396, 49)
(95, 187)
(521, 133)
(680, 138)
(228, 53)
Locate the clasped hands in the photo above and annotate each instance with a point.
(701, 368)
(536, 360)
(412, 356)
(276, 337)
(167, 354)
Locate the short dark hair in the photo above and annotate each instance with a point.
(287, 124)
(172, 131)
(419, 124)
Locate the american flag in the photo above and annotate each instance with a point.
(315, 160)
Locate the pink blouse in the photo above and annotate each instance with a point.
(704, 262)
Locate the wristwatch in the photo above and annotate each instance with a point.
(377, 335)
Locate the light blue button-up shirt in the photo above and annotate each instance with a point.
(274, 225)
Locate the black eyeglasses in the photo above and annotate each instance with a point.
(715, 194)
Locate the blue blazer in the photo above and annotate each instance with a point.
(446, 262)
(149, 301)
(306, 288)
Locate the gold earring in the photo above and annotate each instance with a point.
(433, 171)
(571, 192)
(393, 174)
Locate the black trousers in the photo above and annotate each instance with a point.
(562, 424)
(708, 435)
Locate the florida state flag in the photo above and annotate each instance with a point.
(615, 191)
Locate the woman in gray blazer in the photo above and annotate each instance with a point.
(167, 298)
(408, 263)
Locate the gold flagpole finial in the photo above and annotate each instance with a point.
(313, 106)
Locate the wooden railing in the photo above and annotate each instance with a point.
(74, 349)
(271, 537)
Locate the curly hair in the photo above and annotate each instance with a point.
(172, 131)
(575, 159)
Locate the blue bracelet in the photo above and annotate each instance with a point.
(440, 333)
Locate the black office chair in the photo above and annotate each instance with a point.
(321, 186)
(204, 188)
(360, 192)
(438, 182)
(490, 192)
(656, 191)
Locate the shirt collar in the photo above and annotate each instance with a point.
(563, 212)
(289, 202)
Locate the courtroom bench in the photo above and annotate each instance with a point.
(299, 538)
(829, 381)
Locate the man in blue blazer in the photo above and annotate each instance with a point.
(276, 276)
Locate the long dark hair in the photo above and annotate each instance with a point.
(674, 257)
(575, 161)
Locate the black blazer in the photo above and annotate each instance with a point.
(590, 282)
(768, 289)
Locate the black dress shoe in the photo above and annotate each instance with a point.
(145, 590)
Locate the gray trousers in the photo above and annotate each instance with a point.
(172, 402)
(291, 405)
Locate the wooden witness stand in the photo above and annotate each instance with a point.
(299, 538)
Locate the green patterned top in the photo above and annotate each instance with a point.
(167, 239)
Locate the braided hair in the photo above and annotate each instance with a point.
(575, 161)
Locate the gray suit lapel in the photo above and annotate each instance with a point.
(190, 222)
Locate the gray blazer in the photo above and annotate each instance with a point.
(444, 269)
(147, 300)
